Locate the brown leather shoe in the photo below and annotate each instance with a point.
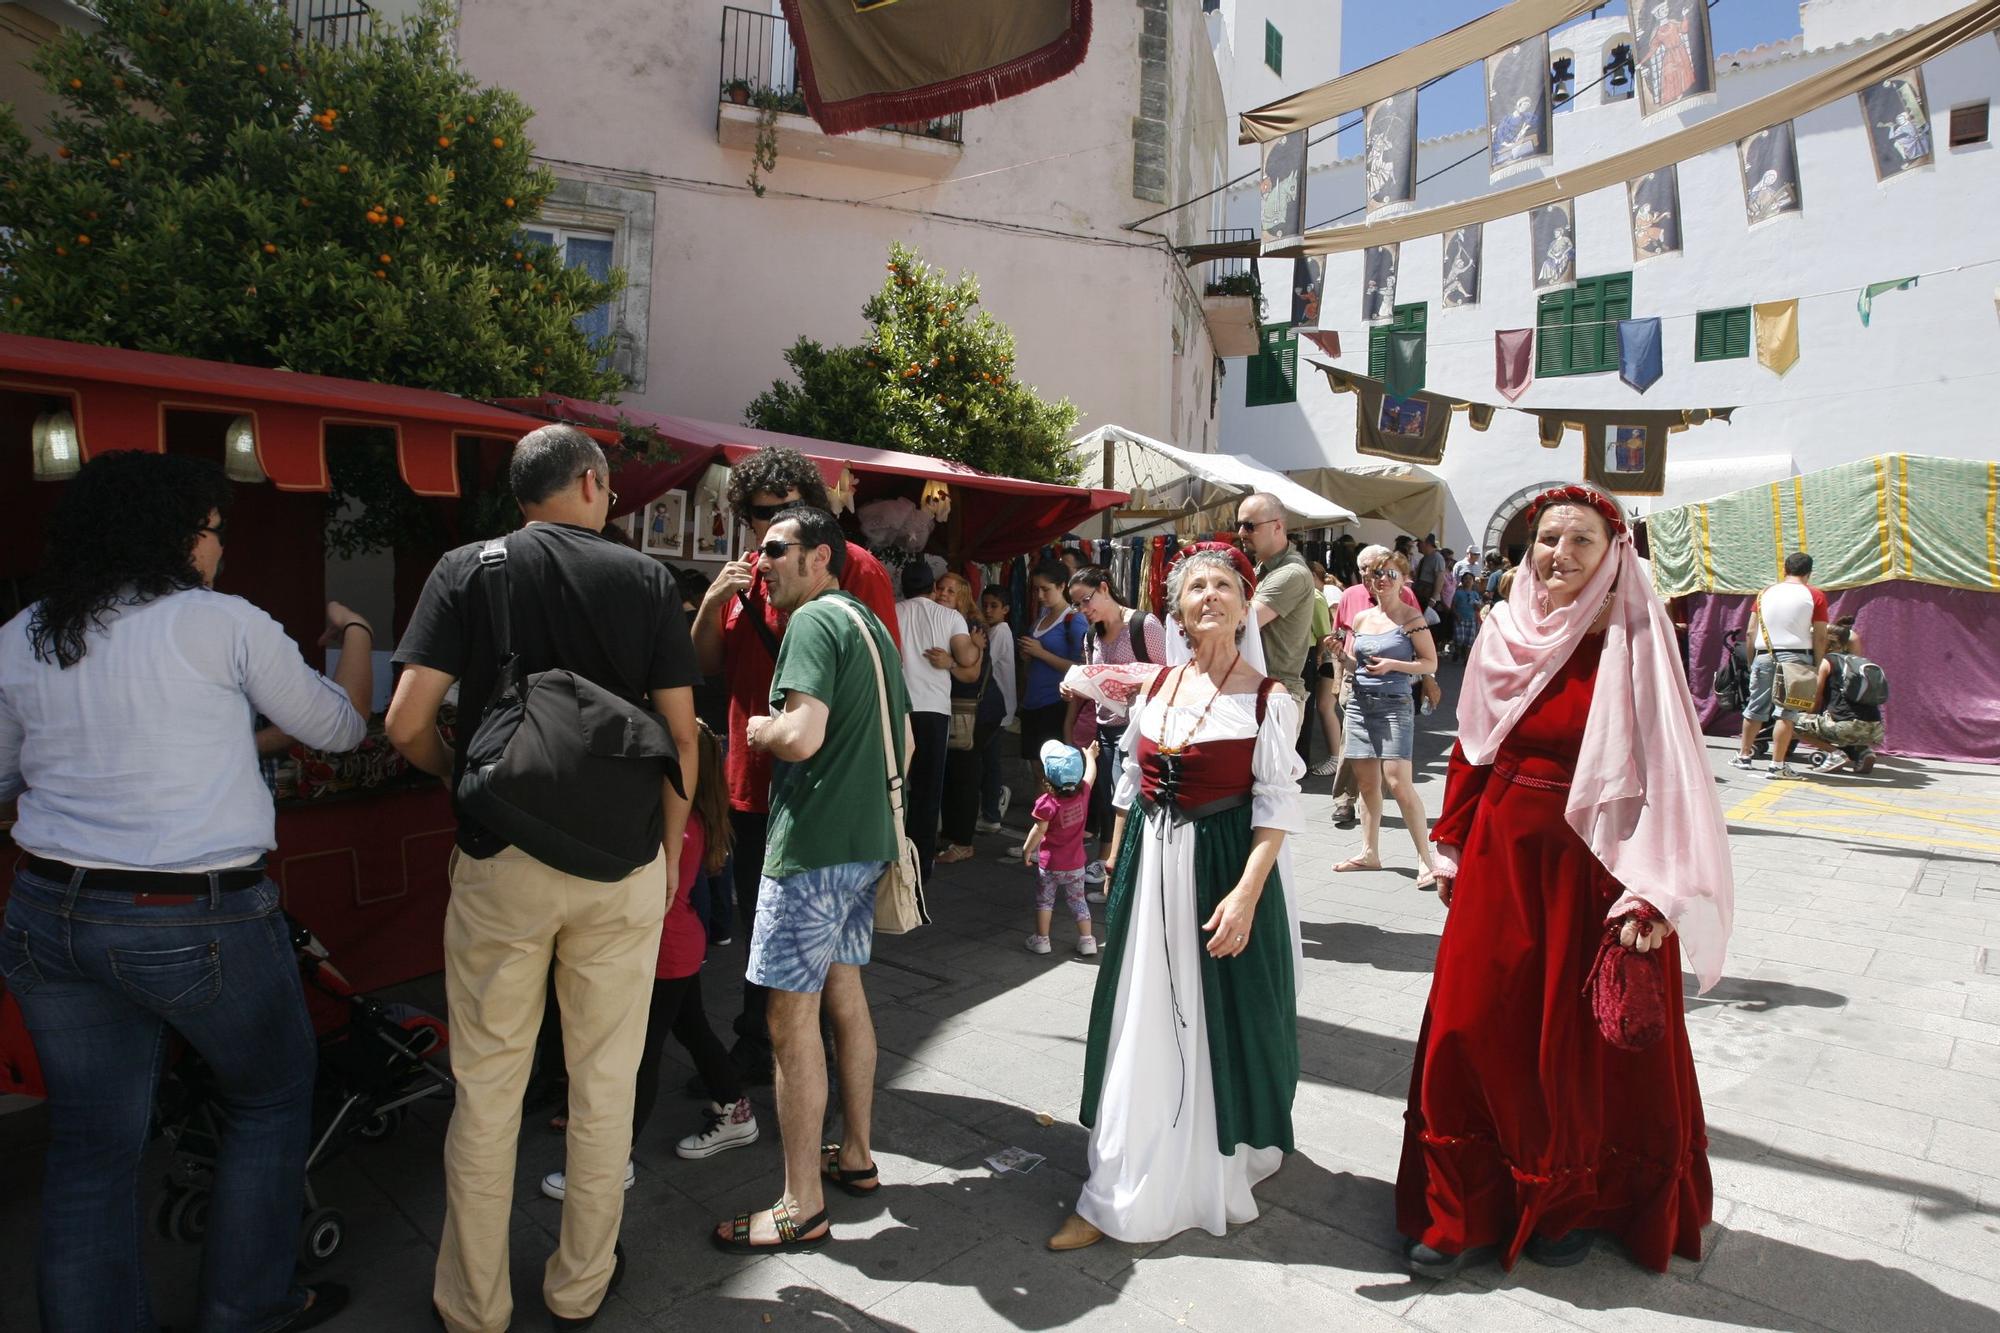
(1076, 1234)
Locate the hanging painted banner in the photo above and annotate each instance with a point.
(1403, 373)
(1389, 161)
(1513, 362)
(1552, 245)
(1864, 304)
(1308, 281)
(1769, 161)
(1653, 202)
(1517, 107)
(1674, 54)
(1627, 458)
(1639, 352)
(1378, 286)
(1899, 124)
(1777, 324)
(1461, 266)
(1283, 189)
(870, 62)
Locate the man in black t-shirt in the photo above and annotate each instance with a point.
(581, 602)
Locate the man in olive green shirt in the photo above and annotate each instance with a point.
(1286, 591)
(832, 832)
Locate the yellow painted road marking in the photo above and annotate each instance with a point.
(1760, 808)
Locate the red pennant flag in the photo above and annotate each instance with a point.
(1327, 340)
(1513, 361)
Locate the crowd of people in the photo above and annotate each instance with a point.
(786, 711)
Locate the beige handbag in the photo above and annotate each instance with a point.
(899, 894)
(1797, 686)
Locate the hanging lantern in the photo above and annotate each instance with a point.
(239, 452)
(937, 500)
(841, 497)
(58, 449)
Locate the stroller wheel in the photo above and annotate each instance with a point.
(163, 1210)
(382, 1125)
(187, 1217)
(321, 1236)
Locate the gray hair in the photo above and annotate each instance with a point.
(550, 460)
(1177, 576)
(1371, 553)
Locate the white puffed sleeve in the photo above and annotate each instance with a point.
(1126, 794)
(1275, 767)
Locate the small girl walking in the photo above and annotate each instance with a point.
(1055, 845)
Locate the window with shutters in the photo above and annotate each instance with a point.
(1407, 319)
(1722, 335)
(1274, 47)
(1576, 331)
(1274, 371)
(1968, 124)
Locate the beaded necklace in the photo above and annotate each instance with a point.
(1200, 718)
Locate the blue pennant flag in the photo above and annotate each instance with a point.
(1639, 352)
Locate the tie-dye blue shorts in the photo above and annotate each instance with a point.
(809, 921)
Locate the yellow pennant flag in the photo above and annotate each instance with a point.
(1777, 335)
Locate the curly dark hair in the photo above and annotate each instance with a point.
(775, 471)
(123, 533)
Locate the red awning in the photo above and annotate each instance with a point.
(120, 399)
(998, 517)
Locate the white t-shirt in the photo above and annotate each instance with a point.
(1789, 611)
(923, 624)
(1000, 648)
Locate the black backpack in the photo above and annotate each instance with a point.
(1732, 681)
(561, 767)
(1863, 682)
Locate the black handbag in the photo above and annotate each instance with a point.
(561, 767)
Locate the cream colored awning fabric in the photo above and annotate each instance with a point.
(1816, 90)
(1140, 461)
(1463, 45)
(1400, 493)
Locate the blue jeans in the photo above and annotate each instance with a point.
(100, 981)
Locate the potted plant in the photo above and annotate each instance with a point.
(737, 91)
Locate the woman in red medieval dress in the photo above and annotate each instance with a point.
(1580, 796)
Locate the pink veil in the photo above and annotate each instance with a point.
(1643, 799)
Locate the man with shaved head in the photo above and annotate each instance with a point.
(1285, 590)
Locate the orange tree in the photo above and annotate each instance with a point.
(935, 377)
(223, 189)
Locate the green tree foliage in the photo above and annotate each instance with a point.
(936, 377)
(224, 191)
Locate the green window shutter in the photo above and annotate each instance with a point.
(1274, 47)
(1274, 370)
(1585, 311)
(1615, 303)
(1288, 369)
(1736, 332)
(1410, 317)
(1722, 335)
(1378, 352)
(1576, 331)
(1552, 334)
(1404, 319)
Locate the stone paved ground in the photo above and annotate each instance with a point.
(1850, 1064)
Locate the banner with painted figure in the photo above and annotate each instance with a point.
(1517, 107)
(1769, 161)
(1308, 282)
(1552, 245)
(1283, 189)
(1898, 120)
(1627, 458)
(1461, 266)
(1673, 53)
(1378, 283)
(1653, 202)
(1389, 160)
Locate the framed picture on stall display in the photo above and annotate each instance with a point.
(711, 527)
(664, 530)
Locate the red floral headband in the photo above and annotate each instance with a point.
(1229, 549)
(1577, 495)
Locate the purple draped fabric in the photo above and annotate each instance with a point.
(1935, 643)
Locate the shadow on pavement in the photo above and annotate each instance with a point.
(1352, 942)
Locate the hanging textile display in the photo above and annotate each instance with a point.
(1769, 160)
(1513, 362)
(1639, 352)
(1327, 340)
(1479, 416)
(1549, 432)
(1627, 457)
(1282, 187)
(1308, 282)
(1378, 286)
(1777, 324)
(1729, 126)
(1864, 304)
(1461, 266)
(1389, 163)
(1404, 373)
(1552, 245)
(840, 496)
(1517, 107)
(1898, 121)
(1673, 54)
(1653, 202)
(1409, 430)
(863, 63)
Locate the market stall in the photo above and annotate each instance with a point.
(1904, 543)
(1208, 485)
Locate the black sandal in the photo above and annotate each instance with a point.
(789, 1228)
(860, 1183)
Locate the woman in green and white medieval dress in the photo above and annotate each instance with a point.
(1193, 1055)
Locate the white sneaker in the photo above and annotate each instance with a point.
(1095, 897)
(1013, 854)
(1744, 762)
(1087, 945)
(1835, 761)
(1094, 873)
(986, 826)
(725, 1127)
(1782, 771)
(1006, 795)
(1038, 944)
(556, 1187)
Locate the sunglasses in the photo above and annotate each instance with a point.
(220, 530)
(765, 513)
(775, 550)
(1245, 525)
(1377, 575)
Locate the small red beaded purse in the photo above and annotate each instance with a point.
(1627, 990)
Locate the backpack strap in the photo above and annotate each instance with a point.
(500, 618)
(1137, 625)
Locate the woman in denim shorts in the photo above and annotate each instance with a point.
(1389, 647)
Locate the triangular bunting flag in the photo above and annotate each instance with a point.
(1327, 340)
(1865, 305)
(1777, 335)
(1404, 373)
(1513, 361)
(1639, 352)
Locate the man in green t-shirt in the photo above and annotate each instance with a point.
(1285, 590)
(832, 832)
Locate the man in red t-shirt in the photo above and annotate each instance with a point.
(1352, 603)
(736, 633)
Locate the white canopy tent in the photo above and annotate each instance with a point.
(1147, 468)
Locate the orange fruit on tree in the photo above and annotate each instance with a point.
(342, 168)
(509, 201)
(82, 239)
(62, 152)
(383, 259)
(498, 142)
(269, 248)
(430, 198)
(444, 141)
(398, 219)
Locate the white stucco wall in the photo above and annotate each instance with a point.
(1924, 378)
(625, 93)
(1311, 33)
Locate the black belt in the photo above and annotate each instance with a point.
(1175, 813)
(147, 886)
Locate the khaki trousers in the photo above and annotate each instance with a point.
(509, 916)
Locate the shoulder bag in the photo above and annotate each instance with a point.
(1798, 682)
(561, 767)
(899, 894)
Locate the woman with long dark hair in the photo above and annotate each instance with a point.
(1117, 634)
(140, 906)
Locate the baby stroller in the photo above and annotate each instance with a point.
(375, 1058)
(1732, 685)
